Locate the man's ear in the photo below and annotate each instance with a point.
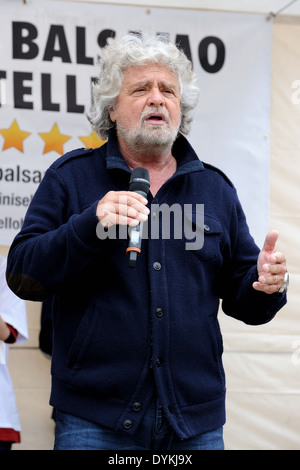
(112, 115)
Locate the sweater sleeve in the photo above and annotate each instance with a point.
(240, 299)
(53, 245)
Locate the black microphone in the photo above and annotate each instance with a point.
(139, 183)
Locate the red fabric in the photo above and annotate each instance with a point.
(9, 435)
(13, 334)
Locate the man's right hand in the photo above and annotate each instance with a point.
(122, 207)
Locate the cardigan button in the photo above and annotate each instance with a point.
(159, 312)
(157, 266)
(158, 362)
(136, 406)
(127, 424)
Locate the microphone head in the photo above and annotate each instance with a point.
(140, 180)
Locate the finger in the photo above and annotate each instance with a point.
(126, 214)
(270, 241)
(278, 258)
(271, 279)
(108, 219)
(123, 220)
(127, 198)
(119, 200)
(134, 205)
(267, 289)
(277, 268)
(122, 208)
(132, 196)
(133, 208)
(107, 212)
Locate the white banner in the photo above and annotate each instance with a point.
(49, 52)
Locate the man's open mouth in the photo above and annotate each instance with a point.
(155, 118)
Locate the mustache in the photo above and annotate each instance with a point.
(155, 110)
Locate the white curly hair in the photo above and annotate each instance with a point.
(139, 50)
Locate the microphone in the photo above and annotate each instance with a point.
(139, 183)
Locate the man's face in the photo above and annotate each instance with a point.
(147, 111)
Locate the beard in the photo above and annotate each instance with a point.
(150, 138)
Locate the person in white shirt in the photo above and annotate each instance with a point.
(13, 329)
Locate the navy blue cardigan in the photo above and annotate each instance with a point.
(122, 332)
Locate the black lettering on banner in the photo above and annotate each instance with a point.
(13, 199)
(47, 104)
(81, 57)
(182, 41)
(104, 35)
(203, 54)
(2, 87)
(136, 33)
(9, 223)
(18, 174)
(94, 81)
(57, 34)
(23, 34)
(72, 106)
(211, 54)
(25, 176)
(20, 90)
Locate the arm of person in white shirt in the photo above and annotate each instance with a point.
(4, 330)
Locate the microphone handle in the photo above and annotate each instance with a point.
(135, 239)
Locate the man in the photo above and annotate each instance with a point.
(137, 352)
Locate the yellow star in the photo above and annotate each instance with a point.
(92, 140)
(14, 137)
(54, 140)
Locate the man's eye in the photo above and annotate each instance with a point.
(139, 90)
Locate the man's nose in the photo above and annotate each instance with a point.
(155, 98)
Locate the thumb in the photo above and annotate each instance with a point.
(270, 241)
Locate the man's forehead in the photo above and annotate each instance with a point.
(149, 73)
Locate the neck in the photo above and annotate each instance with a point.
(155, 163)
(161, 166)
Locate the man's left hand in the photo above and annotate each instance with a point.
(271, 266)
